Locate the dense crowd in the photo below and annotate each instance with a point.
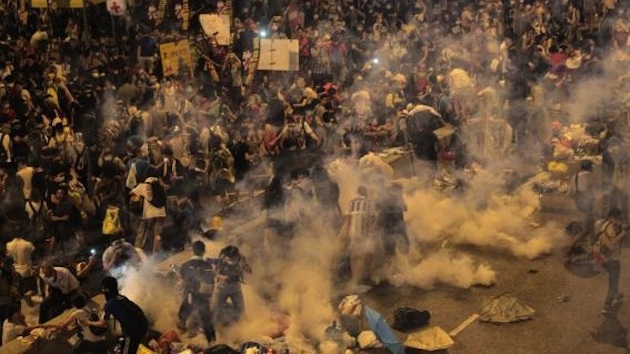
(97, 140)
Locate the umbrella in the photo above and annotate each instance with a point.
(505, 308)
(430, 339)
(383, 331)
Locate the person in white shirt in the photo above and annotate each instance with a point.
(119, 254)
(15, 325)
(92, 341)
(21, 251)
(153, 213)
(582, 187)
(60, 287)
(25, 176)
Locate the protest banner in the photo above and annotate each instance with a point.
(176, 57)
(279, 55)
(216, 26)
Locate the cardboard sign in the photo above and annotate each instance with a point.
(279, 55)
(57, 4)
(117, 7)
(175, 57)
(216, 26)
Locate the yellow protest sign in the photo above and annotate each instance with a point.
(176, 57)
(58, 4)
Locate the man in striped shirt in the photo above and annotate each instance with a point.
(359, 243)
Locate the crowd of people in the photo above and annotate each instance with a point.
(96, 139)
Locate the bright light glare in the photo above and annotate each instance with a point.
(375, 60)
(263, 34)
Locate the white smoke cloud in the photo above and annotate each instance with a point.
(445, 267)
(491, 220)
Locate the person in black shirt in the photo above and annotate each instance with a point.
(132, 320)
(276, 111)
(60, 217)
(229, 276)
(197, 282)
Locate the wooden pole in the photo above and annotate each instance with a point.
(86, 31)
(113, 28)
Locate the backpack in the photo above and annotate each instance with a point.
(221, 349)
(136, 204)
(111, 223)
(408, 319)
(199, 277)
(158, 196)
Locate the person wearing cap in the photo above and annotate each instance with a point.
(130, 316)
(118, 254)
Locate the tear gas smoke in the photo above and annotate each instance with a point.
(445, 267)
(494, 220)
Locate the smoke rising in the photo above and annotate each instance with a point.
(493, 220)
(445, 267)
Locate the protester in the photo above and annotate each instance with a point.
(9, 287)
(583, 188)
(92, 339)
(21, 252)
(358, 241)
(132, 320)
(86, 113)
(120, 253)
(59, 287)
(15, 325)
(197, 285)
(230, 270)
(608, 251)
(60, 216)
(153, 213)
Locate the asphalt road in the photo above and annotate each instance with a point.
(568, 304)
